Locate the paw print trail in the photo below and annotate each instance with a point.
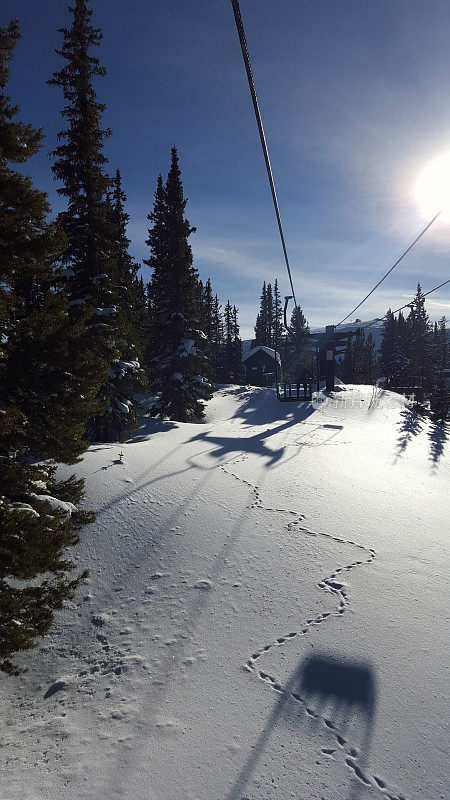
(332, 584)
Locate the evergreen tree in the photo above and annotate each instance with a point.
(155, 289)
(359, 362)
(205, 316)
(346, 366)
(217, 343)
(125, 374)
(179, 366)
(402, 351)
(45, 396)
(440, 345)
(420, 338)
(90, 259)
(440, 396)
(140, 317)
(228, 350)
(279, 337)
(232, 367)
(261, 326)
(238, 367)
(258, 338)
(270, 324)
(370, 361)
(207, 324)
(298, 352)
(388, 348)
(358, 357)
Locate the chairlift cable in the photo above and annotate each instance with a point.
(424, 294)
(407, 305)
(248, 69)
(393, 266)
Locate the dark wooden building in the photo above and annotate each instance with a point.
(259, 363)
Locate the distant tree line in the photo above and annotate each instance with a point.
(295, 355)
(80, 333)
(413, 351)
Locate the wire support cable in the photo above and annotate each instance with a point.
(393, 266)
(425, 295)
(248, 69)
(407, 305)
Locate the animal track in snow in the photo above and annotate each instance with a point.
(329, 584)
(351, 754)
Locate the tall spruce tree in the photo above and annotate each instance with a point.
(218, 343)
(358, 356)
(90, 259)
(140, 316)
(420, 343)
(370, 361)
(232, 367)
(439, 397)
(270, 320)
(228, 350)
(125, 375)
(178, 364)
(298, 353)
(206, 319)
(45, 396)
(261, 326)
(238, 367)
(388, 348)
(403, 349)
(346, 365)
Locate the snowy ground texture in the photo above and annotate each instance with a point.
(264, 617)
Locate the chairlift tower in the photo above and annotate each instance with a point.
(330, 359)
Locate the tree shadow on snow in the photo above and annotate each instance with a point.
(323, 691)
(411, 424)
(149, 426)
(438, 436)
(128, 759)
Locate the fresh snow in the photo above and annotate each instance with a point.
(120, 368)
(124, 407)
(105, 312)
(187, 348)
(54, 503)
(24, 507)
(264, 617)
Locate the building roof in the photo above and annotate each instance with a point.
(267, 350)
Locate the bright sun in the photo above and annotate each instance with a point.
(433, 187)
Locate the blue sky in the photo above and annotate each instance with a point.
(354, 99)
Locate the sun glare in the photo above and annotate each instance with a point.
(433, 187)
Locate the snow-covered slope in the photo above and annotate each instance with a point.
(374, 326)
(264, 617)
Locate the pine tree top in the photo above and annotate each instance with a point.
(78, 162)
(17, 141)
